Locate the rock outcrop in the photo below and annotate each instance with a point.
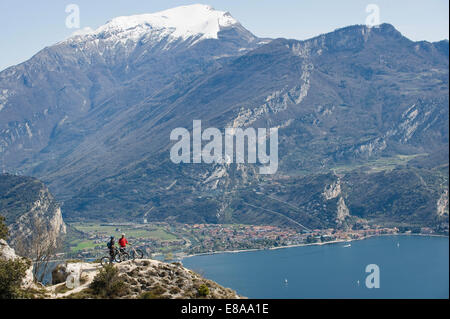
(442, 204)
(333, 191)
(144, 277)
(6, 252)
(171, 281)
(342, 211)
(70, 271)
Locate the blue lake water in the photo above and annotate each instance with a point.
(410, 267)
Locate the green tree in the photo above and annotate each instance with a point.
(203, 290)
(3, 228)
(107, 283)
(12, 273)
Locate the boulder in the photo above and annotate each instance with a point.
(64, 270)
(6, 252)
(59, 274)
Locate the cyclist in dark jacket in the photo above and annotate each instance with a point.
(112, 247)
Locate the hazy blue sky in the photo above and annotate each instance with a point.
(28, 26)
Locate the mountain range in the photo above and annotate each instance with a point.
(362, 114)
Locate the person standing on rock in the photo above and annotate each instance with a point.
(123, 243)
(112, 248)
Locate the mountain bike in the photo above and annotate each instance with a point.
(119, 256)
(131, 254)
(136, 253)
(122, 255)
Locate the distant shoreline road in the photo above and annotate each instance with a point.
(310, 244)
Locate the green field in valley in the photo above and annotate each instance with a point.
(102, 231)
(131, 231)
(78, 245)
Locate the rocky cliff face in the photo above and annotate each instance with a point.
(442, 204)
(30, 210)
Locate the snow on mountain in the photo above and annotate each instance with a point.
(194, 21)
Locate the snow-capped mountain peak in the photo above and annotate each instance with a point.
(198, 21)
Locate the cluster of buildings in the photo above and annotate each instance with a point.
(212, 237)
(206, 238)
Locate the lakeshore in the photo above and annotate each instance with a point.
(164, 241)
(268, 248)
(305, 245)
(411, 266)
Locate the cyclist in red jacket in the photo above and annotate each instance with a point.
(123, 243)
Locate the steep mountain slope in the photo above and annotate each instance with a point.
(343, 101)
(404, 196)
(327, 118)
(73, 89)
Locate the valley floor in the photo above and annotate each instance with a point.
(176, 241)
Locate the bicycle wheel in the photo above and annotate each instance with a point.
(137, 254)
(125, 256)
(122, 256)
(105, 260)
